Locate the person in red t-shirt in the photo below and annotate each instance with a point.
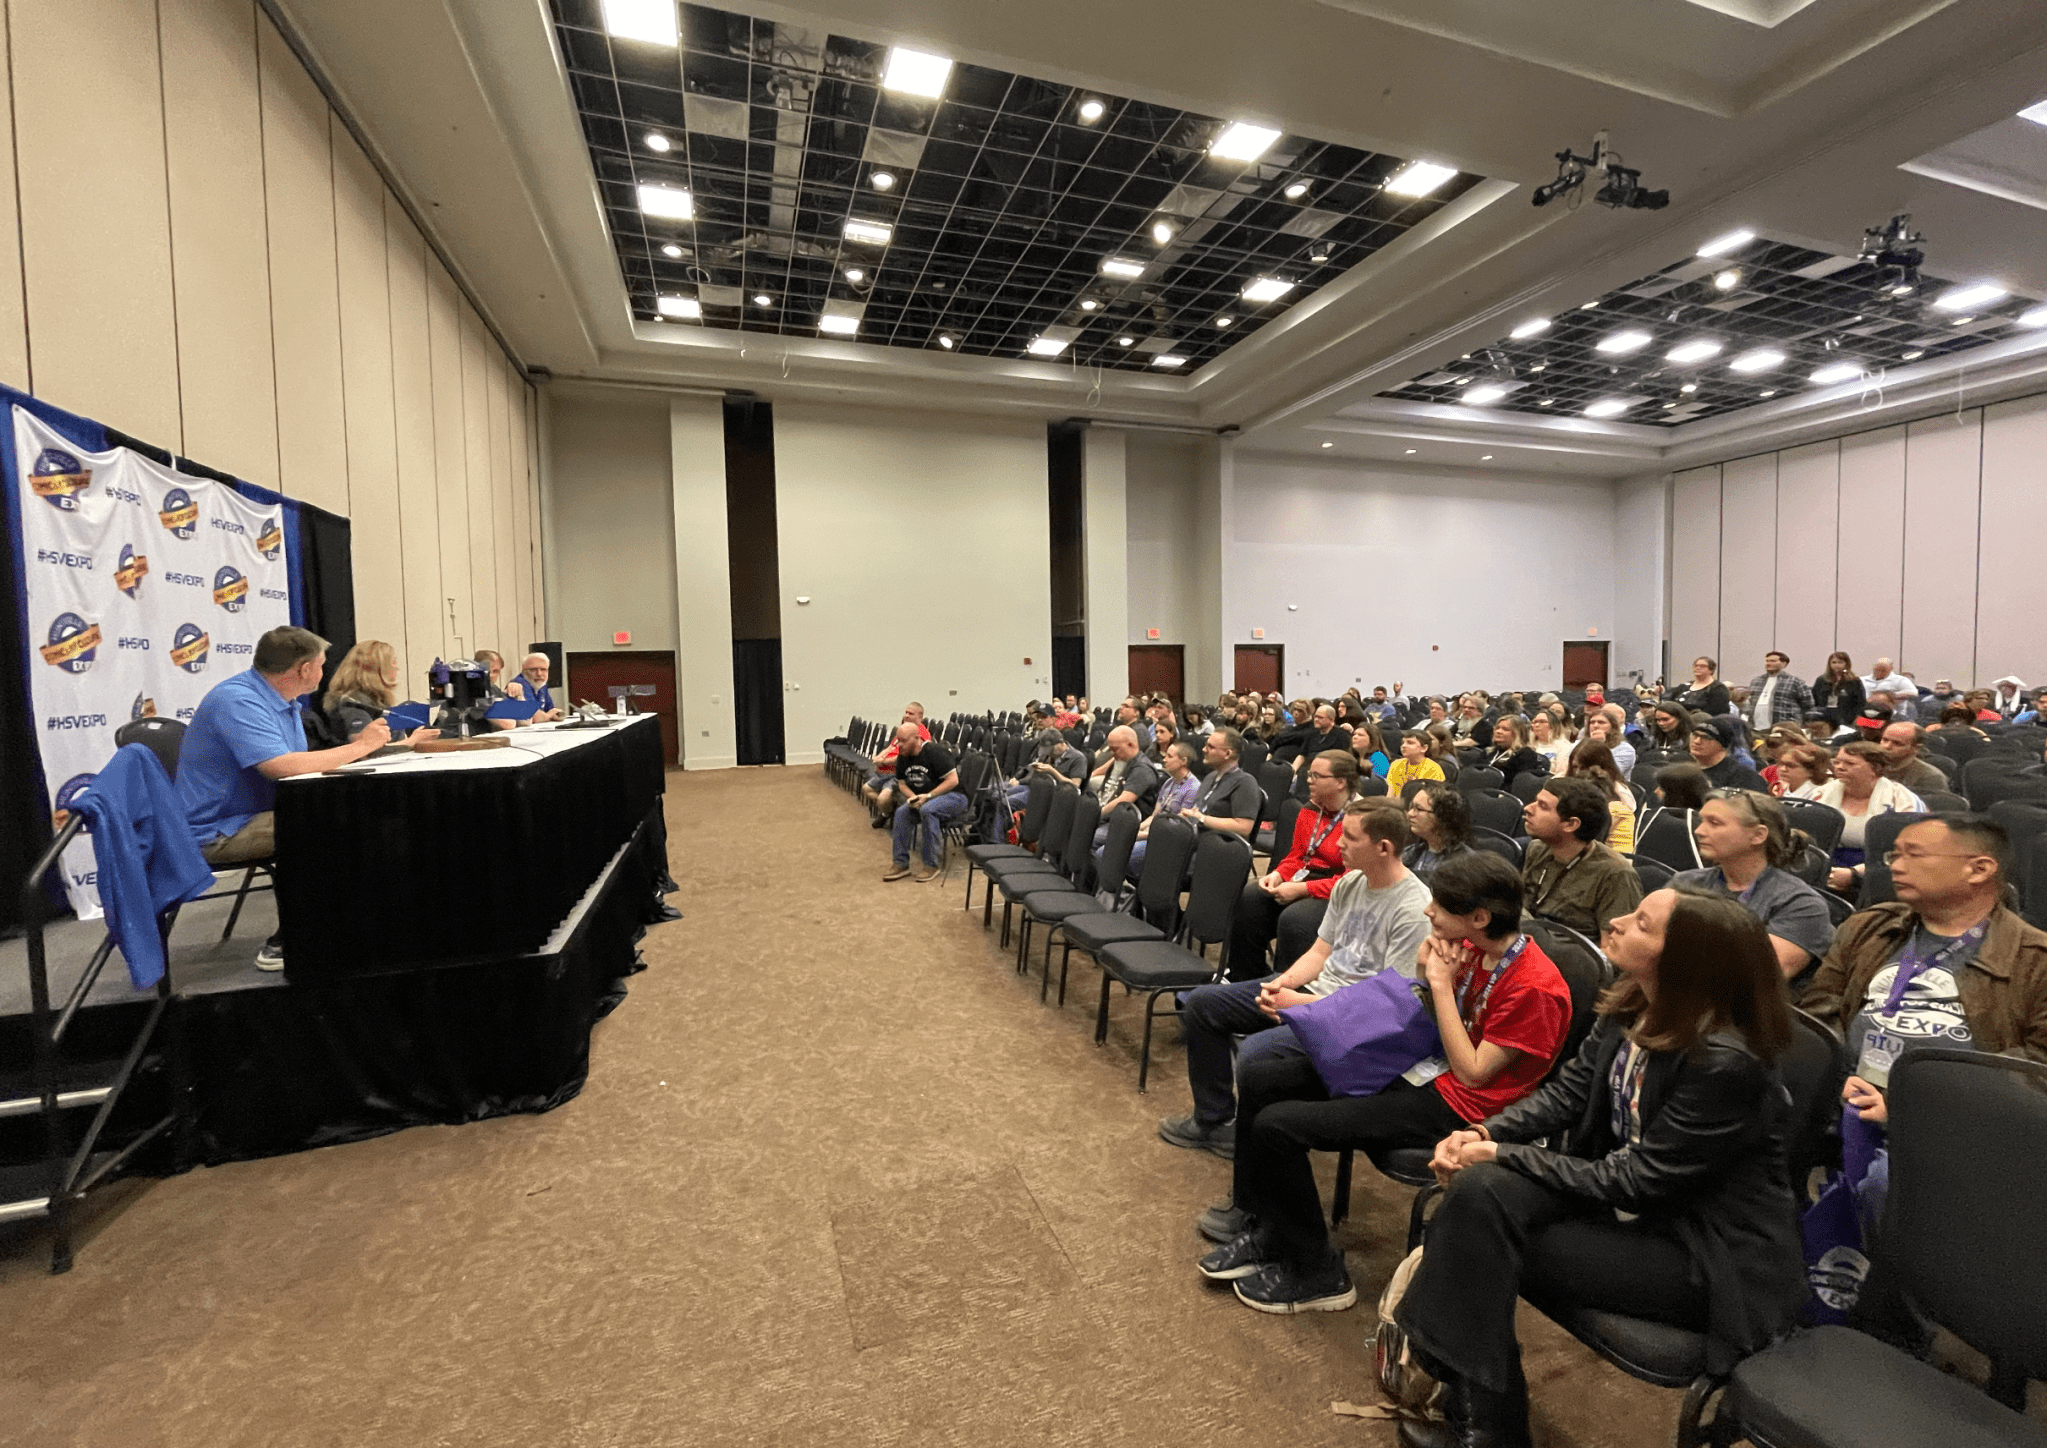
(1503, 1011)
(1287, 903)
(877, 789)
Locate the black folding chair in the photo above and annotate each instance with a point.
(1111, 873)
(1276, 840)
(1653, 874)
(1496, 809)
(1968, 1145)
(1152, 913)
(1478, 777)
(1821, 821)
(1074, 876)
(1666, 837)
(1051, 853)
(1505, 846)
(1527, 785)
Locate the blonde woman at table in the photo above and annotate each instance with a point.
(365, 687)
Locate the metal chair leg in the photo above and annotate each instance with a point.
(1102, 1014)
(1144, 1054)
(1065, 960)
(1339, 1207)
(248, 878)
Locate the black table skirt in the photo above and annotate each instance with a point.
(384, 872)
(306, 1065)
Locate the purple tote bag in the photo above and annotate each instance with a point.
(1365, 1034)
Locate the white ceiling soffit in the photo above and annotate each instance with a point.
(2007, 160)
(1702, 54)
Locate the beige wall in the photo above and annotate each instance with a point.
(208, 261)
(614, 519)
(1908, 542)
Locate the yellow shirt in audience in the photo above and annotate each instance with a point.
(1402, 771)
(1622, 812)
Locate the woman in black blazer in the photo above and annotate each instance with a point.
(1666, 1197)
(1838, 691)
(1511, 754)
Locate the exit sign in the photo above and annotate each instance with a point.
(622, 637)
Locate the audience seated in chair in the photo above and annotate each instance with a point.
(1439, 820)
(1606, 725)
(1175, 795)
(1509, 751)
(878, 789)
(1053, 758)
(1667, 1197)
(1594, 762)
(1368, 744)
(1126, 778)
(1569, 874)
(1902, 743)
(1859, 790)
(927, 788)
(1502, 1011)
(1713, 742)
(1374, 918)
(1414, 762)
(1228, 799)
(1283, 907)
(1747, 841)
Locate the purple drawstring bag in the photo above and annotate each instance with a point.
(1363, 1035)
(1835, 1260)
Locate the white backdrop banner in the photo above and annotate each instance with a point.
(145, 588)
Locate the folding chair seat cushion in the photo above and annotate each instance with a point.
(982, 854)
(1656, 1352)
(1022, 887)
(1833, 1385)
(1156, 965)
(1018, 865)
(1058, 909)
(1408, 1165)
(1095, 933)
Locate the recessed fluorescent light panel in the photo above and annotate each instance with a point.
(913, 73)
(1047, 346)
(1241, 141)
(838, 326)
(1686, 353)
(650, 20)
(871, 232)
(670, 201)
(1479, 396)
(2037, 114)
(1533, 327)
(1763, 359)
(688, 307)
(1608, 407)
(2035, 318)
(1834, 372)
(1168, 359)
(1733, 241)
(1620, 344)
(1418, 178)
(1963, 299)
(1117, 266)
(1267, 289)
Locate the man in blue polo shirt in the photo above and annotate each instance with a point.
(246, 735)
(532, 684)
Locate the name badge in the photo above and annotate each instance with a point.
(1426, 1072)
(1880, 1052)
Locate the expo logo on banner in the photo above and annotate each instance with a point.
(131, 570)
(73, 643)
(270, 542)
(68, 793)
(179, 513)
(58, 478)
(230, 589)
(188, 648)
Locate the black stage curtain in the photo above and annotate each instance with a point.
(511, 851)
(757, 693)
(299, 1066)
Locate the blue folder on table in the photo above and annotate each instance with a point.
(512, 709)
(406, 717)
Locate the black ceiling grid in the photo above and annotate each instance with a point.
(1004, 207)
(1818, 310)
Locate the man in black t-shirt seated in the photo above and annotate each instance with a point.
(1712, 744)
(927, 788)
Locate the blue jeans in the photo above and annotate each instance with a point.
(934, 813)
(1210, 1016)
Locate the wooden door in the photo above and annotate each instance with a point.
(1585, 663)
(1261, 667)
(592, 675)
(1159, 669)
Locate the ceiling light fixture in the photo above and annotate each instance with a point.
(656, 141)
(1267, 289)
(1225, 321)
(1161, 232)
(1461, 382)
(669, 201)
(1547, 402)
(1915, 354)
(1118, 266)
(1686, 353)
(1319, 255)
(1540, 367)
(2037, 114)
(839, 326)
(1534, 326)
(1762, 359)
(1125, 341)
(1905, 290)
(671, 250)
(1296, 191)
(650, 20)
(1046, 346)
(1609, 407)
(1689, 387)
(1728, 280)
(1620, 344)
(872, 232)
(762, 299)
(2035, 318)
(913, 73)
(1418, 178)
(1167, 359)
(1961, 321)
(1088, 304)
(1968, 298)
(945, 342)
(882, 180)
(1733, 241)
(688, 307)
(1410, 452)
(1767, 392)
(1485, 457)
(1588, 307)
(1480, 396)
(1241, 141)
(1329, 444)
(1834, 372)
(855, 275)
(1091, 111)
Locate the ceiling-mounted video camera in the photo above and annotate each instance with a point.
(1623, 189)
(1896, 250)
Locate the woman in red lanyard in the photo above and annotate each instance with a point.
(1664, 1196)
(1502, 1010)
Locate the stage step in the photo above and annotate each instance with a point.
(85, 1083)
(24, 1189)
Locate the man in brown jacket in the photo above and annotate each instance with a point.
(1946, 964)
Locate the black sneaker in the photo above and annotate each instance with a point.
(271, 956)
(1241, 1256)
(881, 822)
(1281, 1287)
(1222, 1221)
(1186, 1131)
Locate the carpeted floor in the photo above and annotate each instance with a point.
(837, 1178)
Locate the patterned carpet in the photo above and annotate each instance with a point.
(837, 1178)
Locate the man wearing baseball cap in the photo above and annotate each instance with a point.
(1712, 739)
